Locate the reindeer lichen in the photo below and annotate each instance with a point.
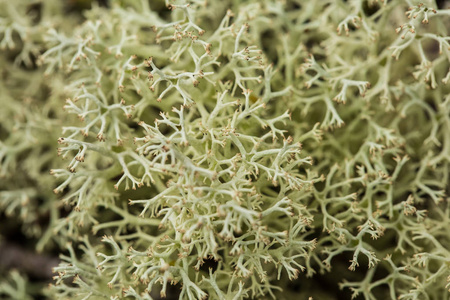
(228, 149)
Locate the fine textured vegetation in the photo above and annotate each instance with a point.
(226, 149)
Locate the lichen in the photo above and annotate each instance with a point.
(229, 149)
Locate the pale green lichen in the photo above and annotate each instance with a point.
(233, 149)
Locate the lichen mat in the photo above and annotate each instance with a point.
(224, 149)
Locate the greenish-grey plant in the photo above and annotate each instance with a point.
(232, 149)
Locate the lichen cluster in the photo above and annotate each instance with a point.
(228, 149)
